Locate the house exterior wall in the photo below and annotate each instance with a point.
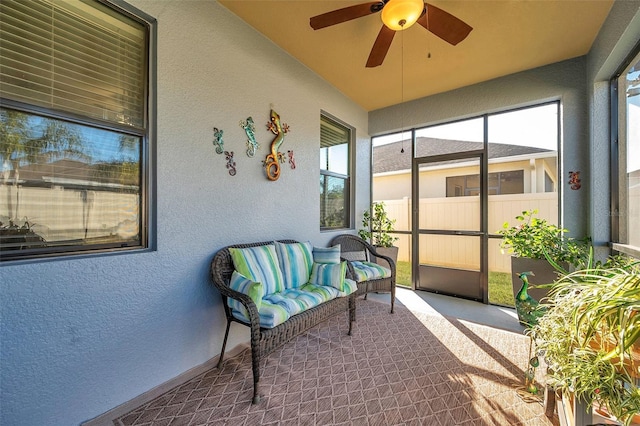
(80, 336)
(433, 183)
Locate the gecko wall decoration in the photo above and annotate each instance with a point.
(272, 161)
(292, 161)
(231, 164)
(249, 129)
(574, 180)
(217, 140)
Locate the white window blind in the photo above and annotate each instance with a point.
(76, 56)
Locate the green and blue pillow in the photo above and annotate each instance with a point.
(326, 254)
(244, 285)
(260, 264)
(295, 261)
(329, 274)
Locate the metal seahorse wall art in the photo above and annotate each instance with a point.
(274, 158)
(249, 129)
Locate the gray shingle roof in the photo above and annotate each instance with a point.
(387, 158)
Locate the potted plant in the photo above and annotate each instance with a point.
(531, 242)
(377, 227)
(588, 337)
(16, 237)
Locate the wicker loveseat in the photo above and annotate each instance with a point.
(361, 257)
(281, 311)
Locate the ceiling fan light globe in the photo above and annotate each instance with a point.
(399, 15)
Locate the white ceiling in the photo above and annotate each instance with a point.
(508, 36)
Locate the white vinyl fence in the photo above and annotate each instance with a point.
(463, 213)
(61, 214)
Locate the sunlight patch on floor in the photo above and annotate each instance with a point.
(414, 302)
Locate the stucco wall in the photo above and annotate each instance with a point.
(620, 33)
(82, 335)
(565, 81)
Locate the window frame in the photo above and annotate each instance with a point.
(349, 178)
(498, 188)
(147, 163)
(619, 212)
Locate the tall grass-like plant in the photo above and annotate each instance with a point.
(589, 336)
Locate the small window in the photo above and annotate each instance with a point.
(74, 128)
(335, 171)
(500, 183)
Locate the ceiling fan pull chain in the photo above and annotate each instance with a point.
(402, 90)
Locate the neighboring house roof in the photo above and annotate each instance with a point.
(387, 158)
(70, 169)
(69, 172)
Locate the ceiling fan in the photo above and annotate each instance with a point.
(397, 15)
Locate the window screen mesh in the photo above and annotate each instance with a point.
(334, 202)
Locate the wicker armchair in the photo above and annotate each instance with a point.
(266, 340)
(354, 248)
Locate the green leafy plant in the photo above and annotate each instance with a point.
(589, 336)
(536, 238)
(377, 226)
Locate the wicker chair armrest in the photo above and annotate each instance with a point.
(351, 273)
(351, 242)
(390, 261)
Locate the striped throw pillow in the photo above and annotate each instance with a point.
(330, 274)
(295, 263)
(326, 254)
(260, 264)
(245, 286)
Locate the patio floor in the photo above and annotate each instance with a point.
(419, 366)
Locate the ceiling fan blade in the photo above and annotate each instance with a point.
(444, 25)
(345, 14)
(380, 47)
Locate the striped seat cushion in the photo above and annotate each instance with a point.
(260, 264)
(350, 286)
(295, 300)
(370, 271)
(295, 261)
(326, 292)
(271, 315)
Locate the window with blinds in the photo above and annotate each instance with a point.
(335, 166)
(76, 56)
(74, 126)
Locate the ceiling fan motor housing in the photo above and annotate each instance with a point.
(399, 15)
(377, 7)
